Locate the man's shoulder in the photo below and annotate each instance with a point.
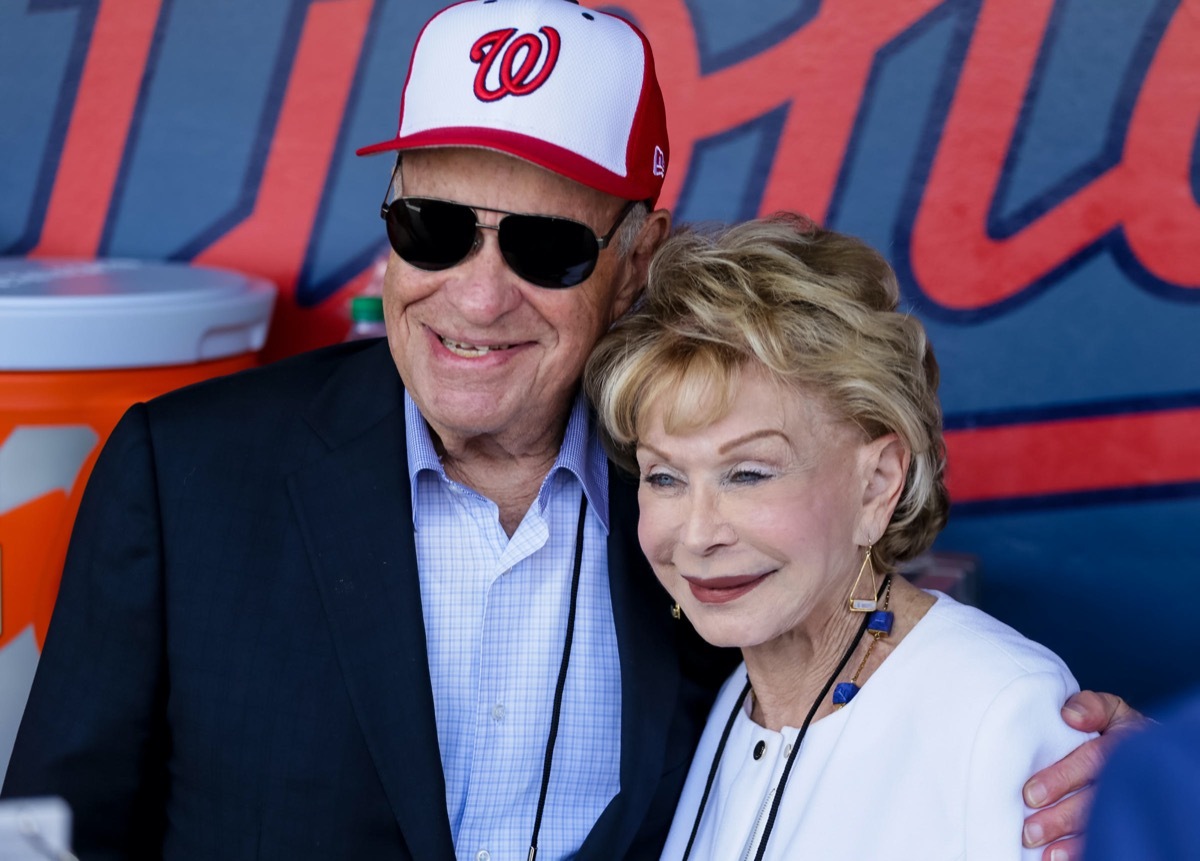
(284, 385)
(238, 434)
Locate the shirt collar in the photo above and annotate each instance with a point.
(581, 454)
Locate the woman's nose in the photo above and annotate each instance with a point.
(705, 526)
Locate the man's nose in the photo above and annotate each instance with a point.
(483, 286)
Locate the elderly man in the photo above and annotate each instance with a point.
(325, 610)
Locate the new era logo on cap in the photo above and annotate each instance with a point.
(570, 89)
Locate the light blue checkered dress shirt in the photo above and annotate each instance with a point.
(495, 619)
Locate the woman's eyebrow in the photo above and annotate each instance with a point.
(750, 437)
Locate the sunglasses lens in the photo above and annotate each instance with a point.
(548, 252)
(430, 234)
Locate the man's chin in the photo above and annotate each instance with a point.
(460, 418)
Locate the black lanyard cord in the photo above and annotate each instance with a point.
(562, 680)
(787, 768)
(791, 760)
(712, 772)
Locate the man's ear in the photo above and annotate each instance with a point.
(636, 264)
(884, 464)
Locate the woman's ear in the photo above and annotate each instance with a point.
(884, 462)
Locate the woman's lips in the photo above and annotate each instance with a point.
(720, 590)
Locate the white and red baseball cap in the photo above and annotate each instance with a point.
(562, 86)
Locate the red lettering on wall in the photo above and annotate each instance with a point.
(819, 73)
(1074, 455)
(1162, 224)
(95, 141)
(820, 70)
(954, 260)
(297, 164)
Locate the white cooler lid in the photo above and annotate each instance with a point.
(59, 315)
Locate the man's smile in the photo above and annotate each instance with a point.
(471, 351)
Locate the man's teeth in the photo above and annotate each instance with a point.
(470, 351)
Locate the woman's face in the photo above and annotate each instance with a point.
(755, 522)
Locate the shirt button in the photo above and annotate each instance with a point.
(760, 749)
(497, 715)
(483, 855)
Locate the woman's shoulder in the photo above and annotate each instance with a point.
(981, 636)
(973, 651)
(980, 683)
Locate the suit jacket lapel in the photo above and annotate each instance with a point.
(355, 511)
(649, 677)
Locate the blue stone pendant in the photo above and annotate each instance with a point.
(844, 692)
(881, 623)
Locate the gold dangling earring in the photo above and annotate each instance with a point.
(676, 611)
(865, 605)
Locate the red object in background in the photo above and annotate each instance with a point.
(80, 342)
(63, 416)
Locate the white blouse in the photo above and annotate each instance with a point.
(926, 763)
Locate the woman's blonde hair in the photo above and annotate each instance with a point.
(817, 309)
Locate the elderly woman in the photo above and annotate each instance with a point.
(783, 420)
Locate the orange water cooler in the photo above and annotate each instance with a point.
(80, 341)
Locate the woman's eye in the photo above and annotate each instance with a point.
(659, 479)
(747, 476)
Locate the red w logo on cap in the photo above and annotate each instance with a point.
(519, 73)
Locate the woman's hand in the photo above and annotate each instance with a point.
(1057, 818)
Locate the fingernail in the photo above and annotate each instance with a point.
(1060, 855)
(1035, 793)
(1033, 835)
(1079, 714)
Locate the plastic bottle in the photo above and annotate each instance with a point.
(366, 318)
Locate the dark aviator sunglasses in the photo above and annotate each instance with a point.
(545, 250)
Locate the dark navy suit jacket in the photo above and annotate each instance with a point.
(236, 665)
